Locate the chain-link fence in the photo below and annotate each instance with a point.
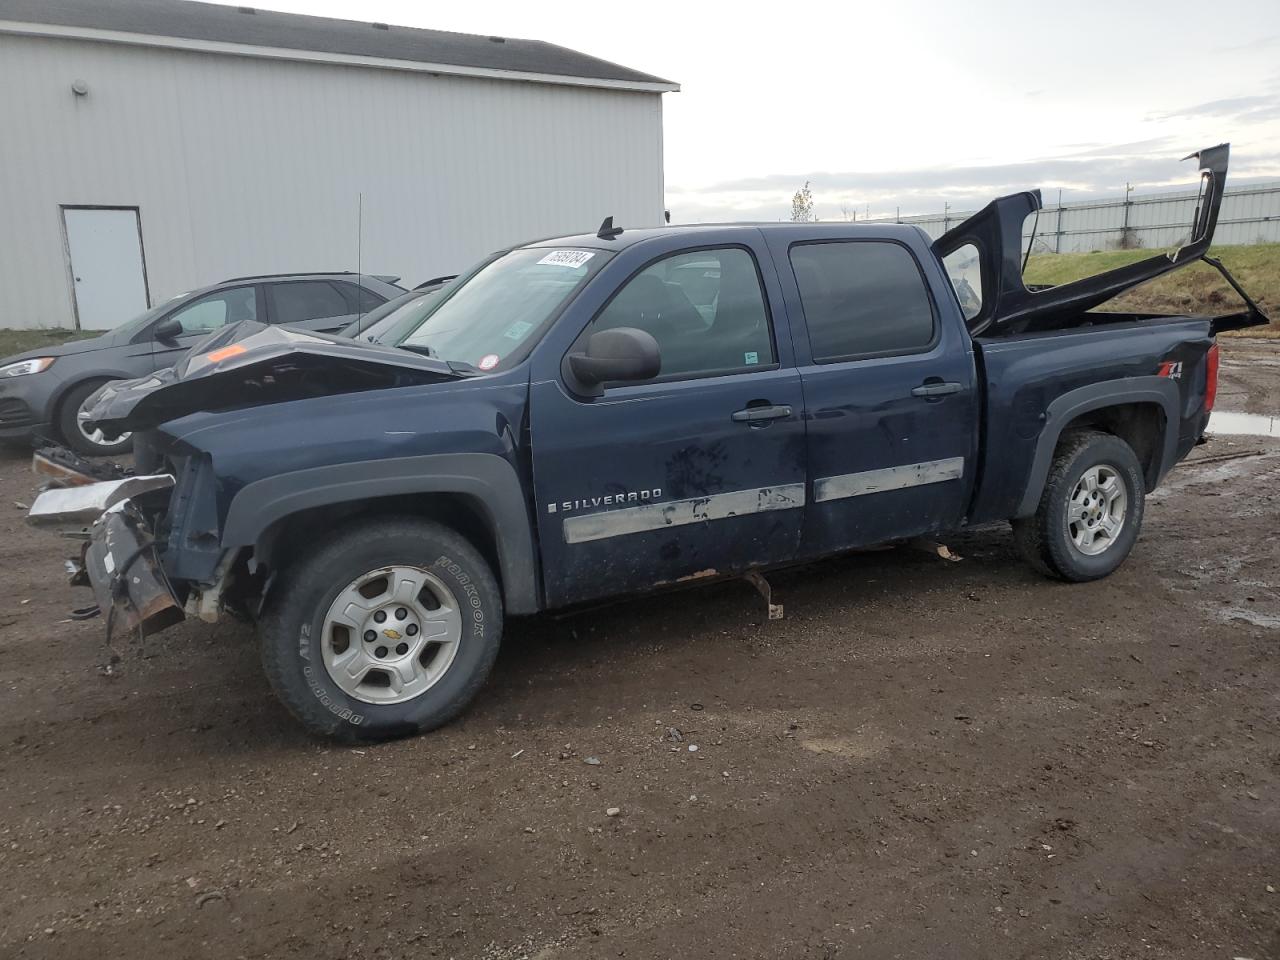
(1248, 215)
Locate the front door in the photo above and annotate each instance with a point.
(203, 315)
(890, 390)
(696, 474)
(108, 276)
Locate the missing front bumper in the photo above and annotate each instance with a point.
(71, 508)
(118, 560)
(127, 581)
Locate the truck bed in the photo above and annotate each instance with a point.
(1026, 374)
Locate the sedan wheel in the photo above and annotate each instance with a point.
(94, 436)
(74, 428)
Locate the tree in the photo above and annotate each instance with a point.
(802, 205)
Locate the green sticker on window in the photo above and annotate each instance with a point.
(518, 330)
(750, 358)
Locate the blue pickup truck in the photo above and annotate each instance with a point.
(624, 411)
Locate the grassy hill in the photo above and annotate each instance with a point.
(1196, 289)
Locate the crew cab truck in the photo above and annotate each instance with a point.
(607, 414)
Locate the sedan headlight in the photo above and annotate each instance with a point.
(24, 367)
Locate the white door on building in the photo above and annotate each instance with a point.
(108, 274)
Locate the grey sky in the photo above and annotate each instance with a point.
(917, 103)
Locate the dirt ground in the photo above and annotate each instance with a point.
(923, 760)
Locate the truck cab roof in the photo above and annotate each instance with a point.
(631, 236)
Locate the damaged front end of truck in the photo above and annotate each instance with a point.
(108, 518)
(149, 541)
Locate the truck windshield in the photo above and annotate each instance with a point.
(488, 316)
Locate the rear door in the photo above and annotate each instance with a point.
(360, 300)
(308, 304)
(697, 473)
(889, 386)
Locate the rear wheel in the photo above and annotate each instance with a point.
(1090, 512)
(92, 442)
(388, 630)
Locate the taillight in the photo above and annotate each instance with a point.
(1211, 378)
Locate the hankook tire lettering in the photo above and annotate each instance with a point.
(340, 710)
(469, 588)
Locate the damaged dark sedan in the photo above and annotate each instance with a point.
(624, 411)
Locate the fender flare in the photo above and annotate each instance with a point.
(487, 478)
(1160, 391)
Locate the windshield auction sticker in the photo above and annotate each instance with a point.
(567, 258)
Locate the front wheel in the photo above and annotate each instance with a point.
(388, 630)
(1090, 511)
(91, 442)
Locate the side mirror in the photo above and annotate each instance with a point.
(623, 353)
(167, 330)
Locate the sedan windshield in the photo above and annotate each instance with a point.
(131, 327)
(492, 314)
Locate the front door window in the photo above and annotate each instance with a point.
(706, 309)
(217, 310)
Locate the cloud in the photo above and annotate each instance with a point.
(1256, 108)
(1090, 174)
(1016, 176)
(1164, 144)
(1261, 43)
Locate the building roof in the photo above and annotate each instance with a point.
(245, 30)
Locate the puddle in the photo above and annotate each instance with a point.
(1248, 424)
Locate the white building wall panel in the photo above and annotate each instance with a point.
(244, 165)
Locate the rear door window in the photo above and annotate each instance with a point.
(302, 300)
(359, 300)
(862, 298)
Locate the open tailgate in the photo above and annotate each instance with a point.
(1007, 306)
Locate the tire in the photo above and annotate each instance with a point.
(1089, 541)
(73, 432)
(304, 640)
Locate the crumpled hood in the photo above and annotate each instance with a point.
(249, 364)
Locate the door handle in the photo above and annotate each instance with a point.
(936, 388)
(761, 414)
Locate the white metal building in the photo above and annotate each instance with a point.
(151, 146)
